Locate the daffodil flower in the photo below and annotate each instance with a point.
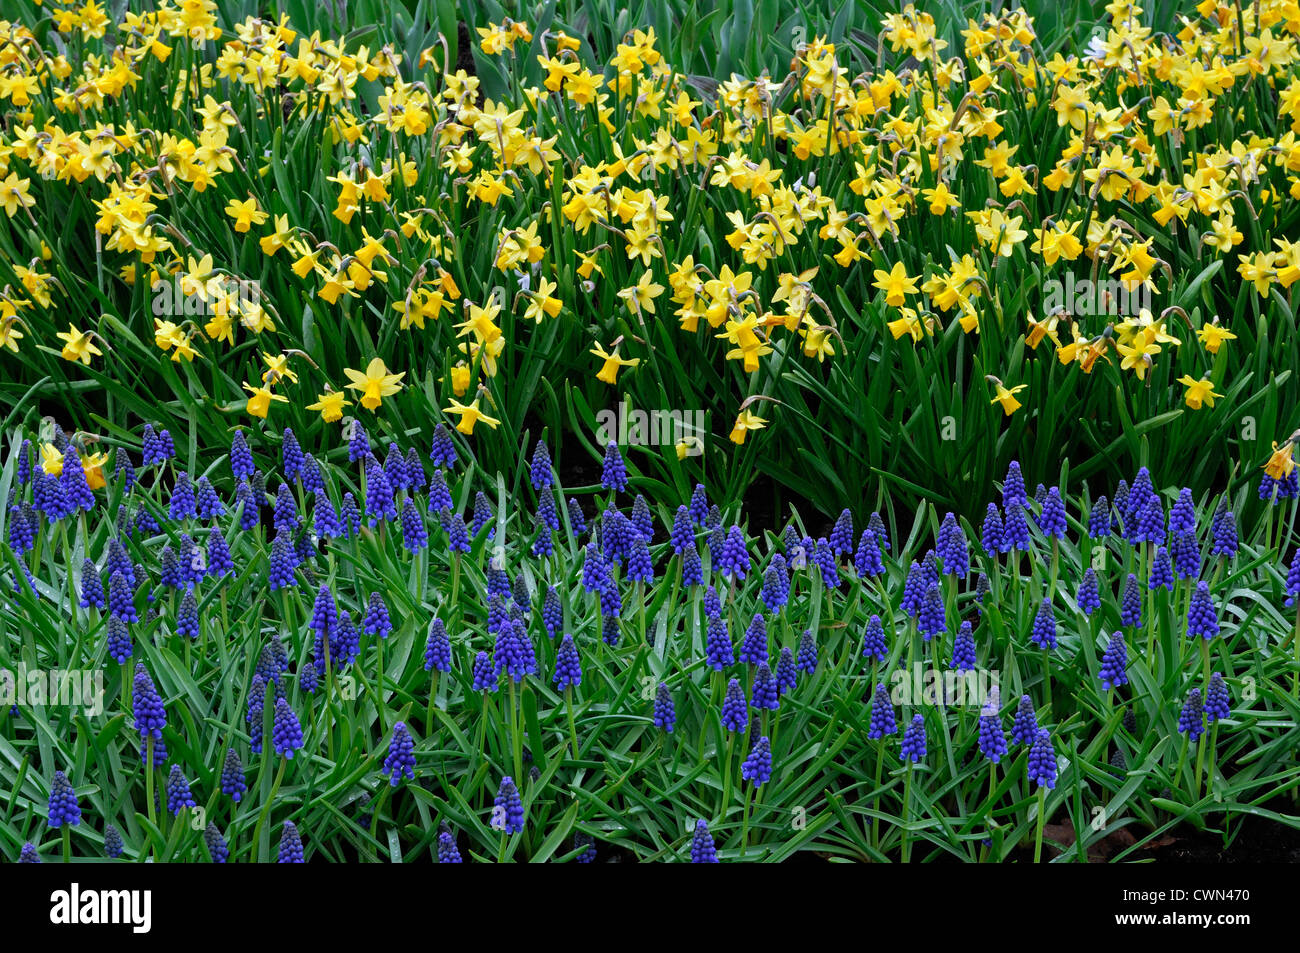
(469, 416)
(375, 384)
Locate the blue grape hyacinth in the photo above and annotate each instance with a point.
(291, 851)
(63, 805)
(1190, 720)
(757, 768)
(1024, 727)
(1218, 702)
(400, 762)
(665, 713)
(881, 717)
(1114, 661)
(1202, 620)
(178, 792)
(913, 744)
(233, 784)
(507, 808)
(703, 850)
(1041, 765)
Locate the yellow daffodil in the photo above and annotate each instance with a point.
(330, 404)
(608, 372)
(260, 398)
(746, 421)
(1281, 462)
(375, 383)
(1198, 392)
(1006, 396)
(246, 213)
(78, 345)
(469, 416)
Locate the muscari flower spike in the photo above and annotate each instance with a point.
(913, 590)
(253, 716)
(787, 671)
(448, 853)
(1015, 531)
(119, 640)
(1114, 661)
(1089, 598)
(1218, 702)
(841, 537)
(824, 559)
(113, 846)
(881, 717)
(507, 808)
(764, 694)
(414, 536)
(437, 648)
(733, 561)
(568, 665)
(963, 649)
(613, 474)
(1043, 633)
(395, 468)
(1013, 487)
(735, 714)
(931, 620)
(483, 674)
(291, 851)
(63, 805)
(665, 712)
(757, 768)
(147, 706)
(1130, 603)
(1162, 573)
(217, 847)
(92, 586)
(400, 762)
(1052, 520)
(1182, 515)
(1190, 720)
(178, 792)
(1024, 727)
(1041, 765)
(703, 850)
(913, 744)
(376, 620)
(1293, 580)
(952, 547)
(233, 784)
(718, 651)
(1202, 620)
(443, 452)
(1099, 521)
(753, 648)
(807, 659)
(991, 532)
(286, 732)
(992, 739)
